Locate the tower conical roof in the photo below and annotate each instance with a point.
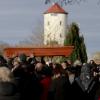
(56, 8)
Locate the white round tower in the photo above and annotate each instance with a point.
(55, 25)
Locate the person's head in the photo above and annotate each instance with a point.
(92, 62)
(22, 58)
(71, 70)
(77, 63)
(16, 62)
(2, 60)
(32, 60)
(64, 64)
(39, 66)
(69, 62)
(58, 69)
(85, 72)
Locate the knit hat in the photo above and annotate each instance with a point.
(22, 57)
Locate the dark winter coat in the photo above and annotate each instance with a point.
(62, 89)
(7, 85)
(31, 88)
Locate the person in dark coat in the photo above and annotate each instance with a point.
(28, 84)
(88, 83)
(7, 82)
(31, 89)
(43, 73)
(56, 91)
(72, 88)
(65, 87)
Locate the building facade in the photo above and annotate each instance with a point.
(55, 25)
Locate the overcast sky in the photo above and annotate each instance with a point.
(18, 19)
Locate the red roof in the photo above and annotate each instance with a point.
(56, 8)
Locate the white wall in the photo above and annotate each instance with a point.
(55, 27)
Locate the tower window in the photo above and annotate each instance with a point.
(60, 23)
(60, 35)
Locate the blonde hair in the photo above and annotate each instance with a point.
(6, 75)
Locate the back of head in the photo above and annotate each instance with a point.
(22, 58)
(39, 66)
(58, 69)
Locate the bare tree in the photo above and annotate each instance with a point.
(36, 38)
(37, 34)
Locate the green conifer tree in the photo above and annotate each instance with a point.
(73, 38)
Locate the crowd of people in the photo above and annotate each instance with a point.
(31, 79)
